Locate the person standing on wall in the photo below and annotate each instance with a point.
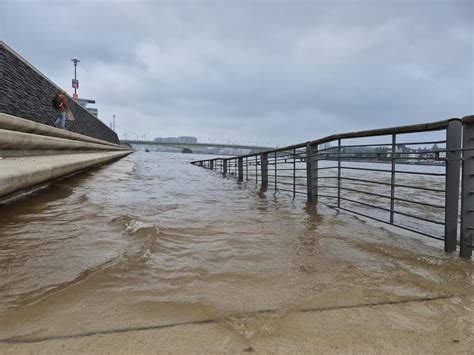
(60, 104)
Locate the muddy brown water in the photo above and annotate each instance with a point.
(152, 240)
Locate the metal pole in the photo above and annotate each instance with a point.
(294, 172)
(75, 75)
(224, 167)
(312, 172)
(339, 172)
(75, 61)
(264, 169)
(256, 169)
(246, 169)
(453, 165)
(240, 162)
(467, 195)
(392, 179)
(212, 164)
(276, 171)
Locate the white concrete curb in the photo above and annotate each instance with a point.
(21, 173)
(17, 124)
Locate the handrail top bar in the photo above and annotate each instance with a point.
(416, 128)
(420, 127)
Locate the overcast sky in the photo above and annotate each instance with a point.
(271, 72)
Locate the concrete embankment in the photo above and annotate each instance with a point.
(32, 155)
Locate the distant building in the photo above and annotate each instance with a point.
(83, 102)
(182, 139)
(93, 110)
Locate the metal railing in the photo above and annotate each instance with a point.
(409, 176)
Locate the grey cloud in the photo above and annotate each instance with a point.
(279, 71)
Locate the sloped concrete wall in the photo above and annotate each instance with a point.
(26, 93)
(35, 154)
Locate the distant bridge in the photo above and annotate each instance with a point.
(190, 147)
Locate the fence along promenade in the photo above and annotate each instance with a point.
(399, 191)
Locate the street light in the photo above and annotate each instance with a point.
(75, 82)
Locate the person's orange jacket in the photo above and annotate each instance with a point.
(64, 107)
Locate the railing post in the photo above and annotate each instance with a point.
(339, 172)
(240, 162)
(392, 177)
(453, 165)
(264, 169)
(256, 169)
(294, 172)
(211, 164)
(312, 172)
(467, 195)
(275, 172)
(246, 169)
(224, 166)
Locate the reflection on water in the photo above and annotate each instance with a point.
(154, 240)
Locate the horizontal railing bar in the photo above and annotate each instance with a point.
(419, 188)
(283, 149)
(360, 159)
(388, 153)
(365, 192)
(393, 224)
(384, 144)
(365, 204)
(421, 143)
(388, 210)
(419, 203)
(281, 183)
(296, 192)
(366, 181)
(396, 185)
(419, 218)
(291, 176)
(286, 160)
(396, 171)
(291, 162)
(283, 190)
(287, 169)
(326, 196)
(326, 168)
(362, 152)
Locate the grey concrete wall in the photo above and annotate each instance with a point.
(26, 93)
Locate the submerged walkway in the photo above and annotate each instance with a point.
(367, 328)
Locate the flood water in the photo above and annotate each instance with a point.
(152, 240)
